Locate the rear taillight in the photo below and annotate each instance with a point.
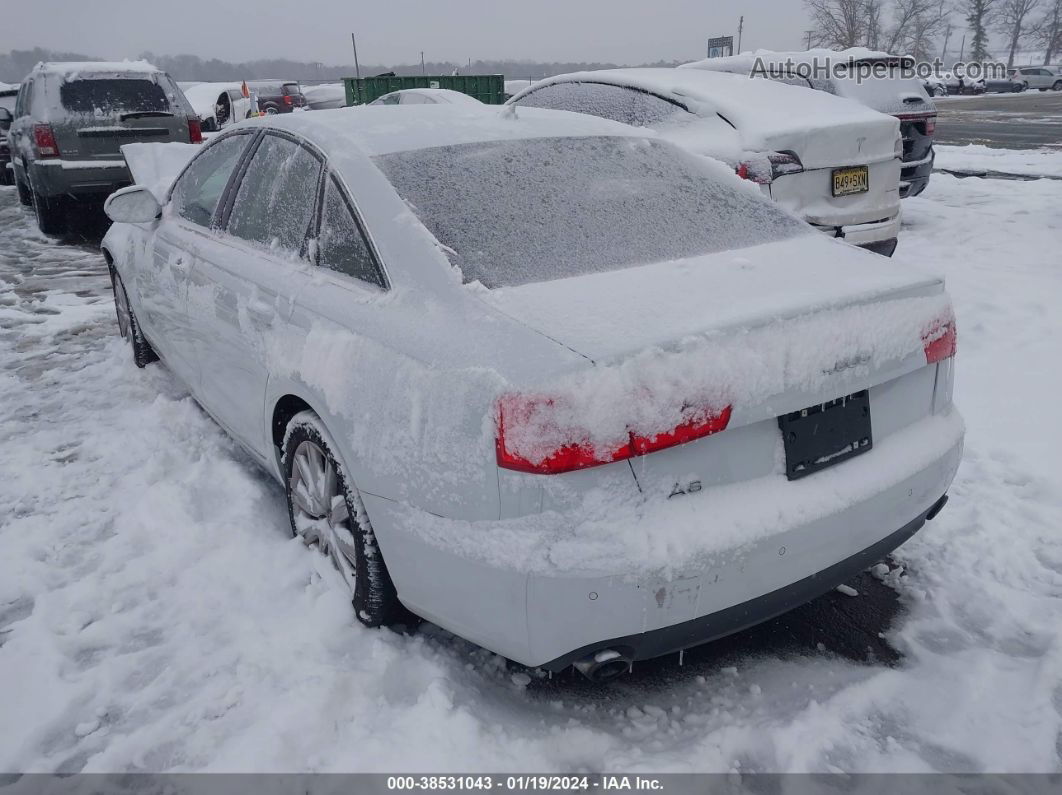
(533, 436)
(195, 131)
(764, 171)
(940, 340)
(931, 125)
(288, 99)
(44, 140)
(753, 173)
(783, 163)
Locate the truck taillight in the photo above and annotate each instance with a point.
(940, 340)
(195, 131)
(288, 99)
(931, 125)
(533, 423)
(44, 140)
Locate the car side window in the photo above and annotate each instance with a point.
(196, 193)
(341, 245)
(626, 105)
(275, 202)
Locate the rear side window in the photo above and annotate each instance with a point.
(197, 191)
(626, 105)
(341, 244)
(275, 202)
(113, 95)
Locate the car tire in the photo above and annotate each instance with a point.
(271, 110)
(1057, 86)
(129, 326)
(314, 482)
(7, 175)
(25, 197)
(51, 214)
(1018, 88)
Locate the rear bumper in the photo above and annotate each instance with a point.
(794, 551)
(647, 645)
(914, 176)
(78, 178)
(878, 236)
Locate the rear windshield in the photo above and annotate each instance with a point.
(112, 95)
(514, 212)
(292, 88)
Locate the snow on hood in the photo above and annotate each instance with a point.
(822, 129)
(156, 165)
(740, 327)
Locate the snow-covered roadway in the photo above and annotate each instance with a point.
(156, 615)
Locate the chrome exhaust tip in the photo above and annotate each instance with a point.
(603, 665)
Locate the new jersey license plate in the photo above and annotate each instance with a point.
(855, 179)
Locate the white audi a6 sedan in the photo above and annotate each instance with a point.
(554, 384)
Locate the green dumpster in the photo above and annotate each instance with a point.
(489, 89)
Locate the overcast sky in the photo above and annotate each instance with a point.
(395, 31)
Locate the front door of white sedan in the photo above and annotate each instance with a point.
(245, 281)
(162, 282)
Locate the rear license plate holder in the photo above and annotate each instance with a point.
(849, 180)
(824, 435)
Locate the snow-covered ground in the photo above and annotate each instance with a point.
(156, 615)
(976, 157)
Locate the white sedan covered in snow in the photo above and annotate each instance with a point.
(831, 161)
(558, 386)
(426, 96)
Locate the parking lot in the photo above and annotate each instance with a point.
(172, 622)
(1029, 120)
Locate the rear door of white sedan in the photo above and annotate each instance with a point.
(246, 279)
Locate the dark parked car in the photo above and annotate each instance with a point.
(71, 120)
(278, 96)
(7, 115)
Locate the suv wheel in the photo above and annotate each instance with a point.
(24, 195)
(51, 214)
(325, 512)
(1057, 86)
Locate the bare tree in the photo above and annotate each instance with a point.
(872, 9)
(1047, 32)
(838, 24)
(980, 14)
(1013, 21)
(915, 24)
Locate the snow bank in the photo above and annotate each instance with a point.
(978, 158)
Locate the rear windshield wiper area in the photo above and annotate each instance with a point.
(145, 114)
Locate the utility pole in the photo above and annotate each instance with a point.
(422, 71)
(944, 54)
(357, 69)
(741, 24)
(962, 47)
(807, 35)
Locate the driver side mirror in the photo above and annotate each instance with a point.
(132, 205)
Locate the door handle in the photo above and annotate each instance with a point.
(261, 311)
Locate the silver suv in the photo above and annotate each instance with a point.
(71, 120)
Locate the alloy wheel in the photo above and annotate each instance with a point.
(319, 507)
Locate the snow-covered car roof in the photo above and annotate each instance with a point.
(760, 114)
(379, 130)
(743, 63)
(437, 95)
(760, 104)
(73, 69)
(894, 94)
